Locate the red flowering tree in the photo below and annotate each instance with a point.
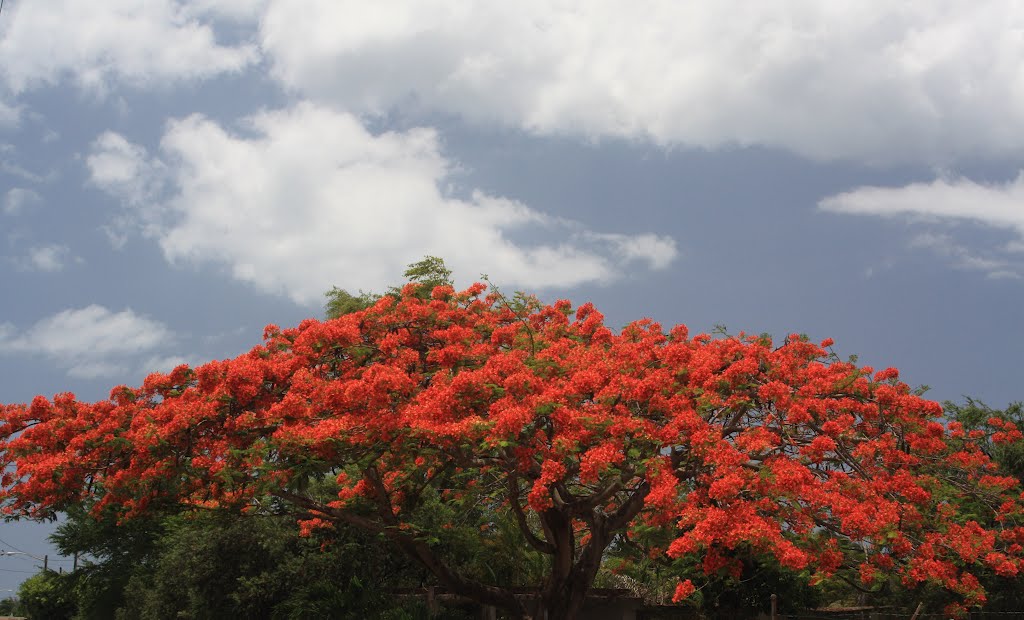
(584, 437)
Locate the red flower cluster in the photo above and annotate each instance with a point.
(733, 443)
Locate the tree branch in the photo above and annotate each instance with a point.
(630, 508)
(513, 499)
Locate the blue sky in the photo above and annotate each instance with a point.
(175, 175)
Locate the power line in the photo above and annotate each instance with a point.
(2, 541)
(24, 555)
(21, 556)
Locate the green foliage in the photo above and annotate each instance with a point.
(340, 302)
(48, 596)
(10, 606)
(111, 554)
(223, 565)
(470, 532)
(429, 273)
(217, 565)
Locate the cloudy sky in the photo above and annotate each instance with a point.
(175, 175)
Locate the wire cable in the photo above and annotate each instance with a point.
(2, 541)
(24, 555)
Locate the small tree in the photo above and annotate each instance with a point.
(47, 595)
(219, 564)
(429, 273)
(10, 606)
(586, 439)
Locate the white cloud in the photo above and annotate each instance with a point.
(89, 342)
(142, 43)
(309, 199)
(963, 257)
(19, 199)
(998, 205)
(19, 171)
(166, 363)
(118, 166)
(657, 251)
(125, 169)
(10, 114)
(49, 258)
(871, 80)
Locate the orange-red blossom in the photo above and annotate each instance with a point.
(730, 443)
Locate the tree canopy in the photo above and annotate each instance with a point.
(687, 447)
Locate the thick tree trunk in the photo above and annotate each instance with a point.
(571, 578)
(567, 603)
(565, 590)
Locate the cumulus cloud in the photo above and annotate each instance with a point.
(870, 81)
(997, 205)
(657, 251)
(49, 258)
(125, 169)
(874, 80)
(166, 363)
(19, 199)
(121, 167)
(89, 342)
(147, 44)
(309, 198)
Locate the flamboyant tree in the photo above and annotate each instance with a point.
(697, 447)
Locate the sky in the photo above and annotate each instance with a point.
(175, 175)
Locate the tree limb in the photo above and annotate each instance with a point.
(513, 499)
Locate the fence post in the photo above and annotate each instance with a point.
(917, 611)
(432, 605)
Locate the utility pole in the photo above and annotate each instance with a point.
(45, 559)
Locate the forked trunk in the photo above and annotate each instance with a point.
(571, 578)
